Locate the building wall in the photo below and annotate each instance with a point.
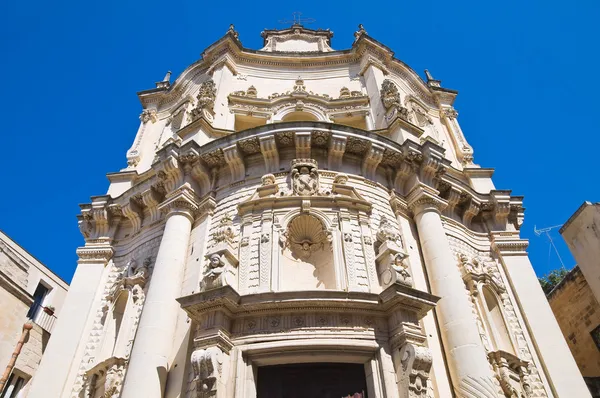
(578, 313)
(20, 274)
(582, 234)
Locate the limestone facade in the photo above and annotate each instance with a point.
(578, 315)
(20, 276)
(298, 204)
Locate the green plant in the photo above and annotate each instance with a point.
(551, 279)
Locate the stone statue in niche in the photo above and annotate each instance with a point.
(402, 275)
(391, 260)
(220, 269)
(213, 277)
(133, 270)
(387, 233)
(268, 186)
(305, 177)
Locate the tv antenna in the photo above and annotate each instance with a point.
(297, 19)
(546, 231)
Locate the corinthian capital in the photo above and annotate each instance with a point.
(424, 198)
(99, 220)
(182, 201)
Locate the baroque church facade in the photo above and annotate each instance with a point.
(298, 221)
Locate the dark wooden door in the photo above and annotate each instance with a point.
(312, 380)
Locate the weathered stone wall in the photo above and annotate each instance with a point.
(578, 313)
(14, 313)
(11, 324)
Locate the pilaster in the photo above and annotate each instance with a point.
(557, 361)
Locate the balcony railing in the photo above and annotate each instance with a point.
(42, 316)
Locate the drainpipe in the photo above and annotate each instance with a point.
(11, 364)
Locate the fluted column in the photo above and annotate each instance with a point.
(467, 359)
(147, 372)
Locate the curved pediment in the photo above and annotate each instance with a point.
(297, 39)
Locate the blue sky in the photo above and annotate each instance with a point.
(526, 72)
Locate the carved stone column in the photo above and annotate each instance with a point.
(467, 360)
(148, 367)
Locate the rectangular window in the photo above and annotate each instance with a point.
(38, 298)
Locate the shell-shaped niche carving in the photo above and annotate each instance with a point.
(306, 261)
(305, 235)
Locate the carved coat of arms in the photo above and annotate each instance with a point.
(305, 177)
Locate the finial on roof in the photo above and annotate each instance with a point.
(166, 82)
(232, 31)
(431, 82)
(361, 31)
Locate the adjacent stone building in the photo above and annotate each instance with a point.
(29, 293)
(578, 314)
(581, 232)
(303, 221)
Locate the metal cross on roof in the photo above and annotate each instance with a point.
(297, 19)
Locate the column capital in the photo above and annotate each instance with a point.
(424, 198)
(183, 201)
(95, 254)
(509, 244)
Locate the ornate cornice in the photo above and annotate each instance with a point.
(509, 244)
(95, 254)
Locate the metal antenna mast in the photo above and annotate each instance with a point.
(297, 19)
(546, 231)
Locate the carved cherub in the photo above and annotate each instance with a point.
(400, 267)
(216, 266)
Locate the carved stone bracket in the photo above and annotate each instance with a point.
(235, 161)
(512, 373)
(413, 364)
(133, 211)
(207, 364)
(303, 140)
(268, 148)
(371, 160)
(105, 379)
(337, 147)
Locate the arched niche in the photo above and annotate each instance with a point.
(113, 325)
(305, 113)
(307, 256)
(496, 322)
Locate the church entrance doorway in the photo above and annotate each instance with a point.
(314, 380)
